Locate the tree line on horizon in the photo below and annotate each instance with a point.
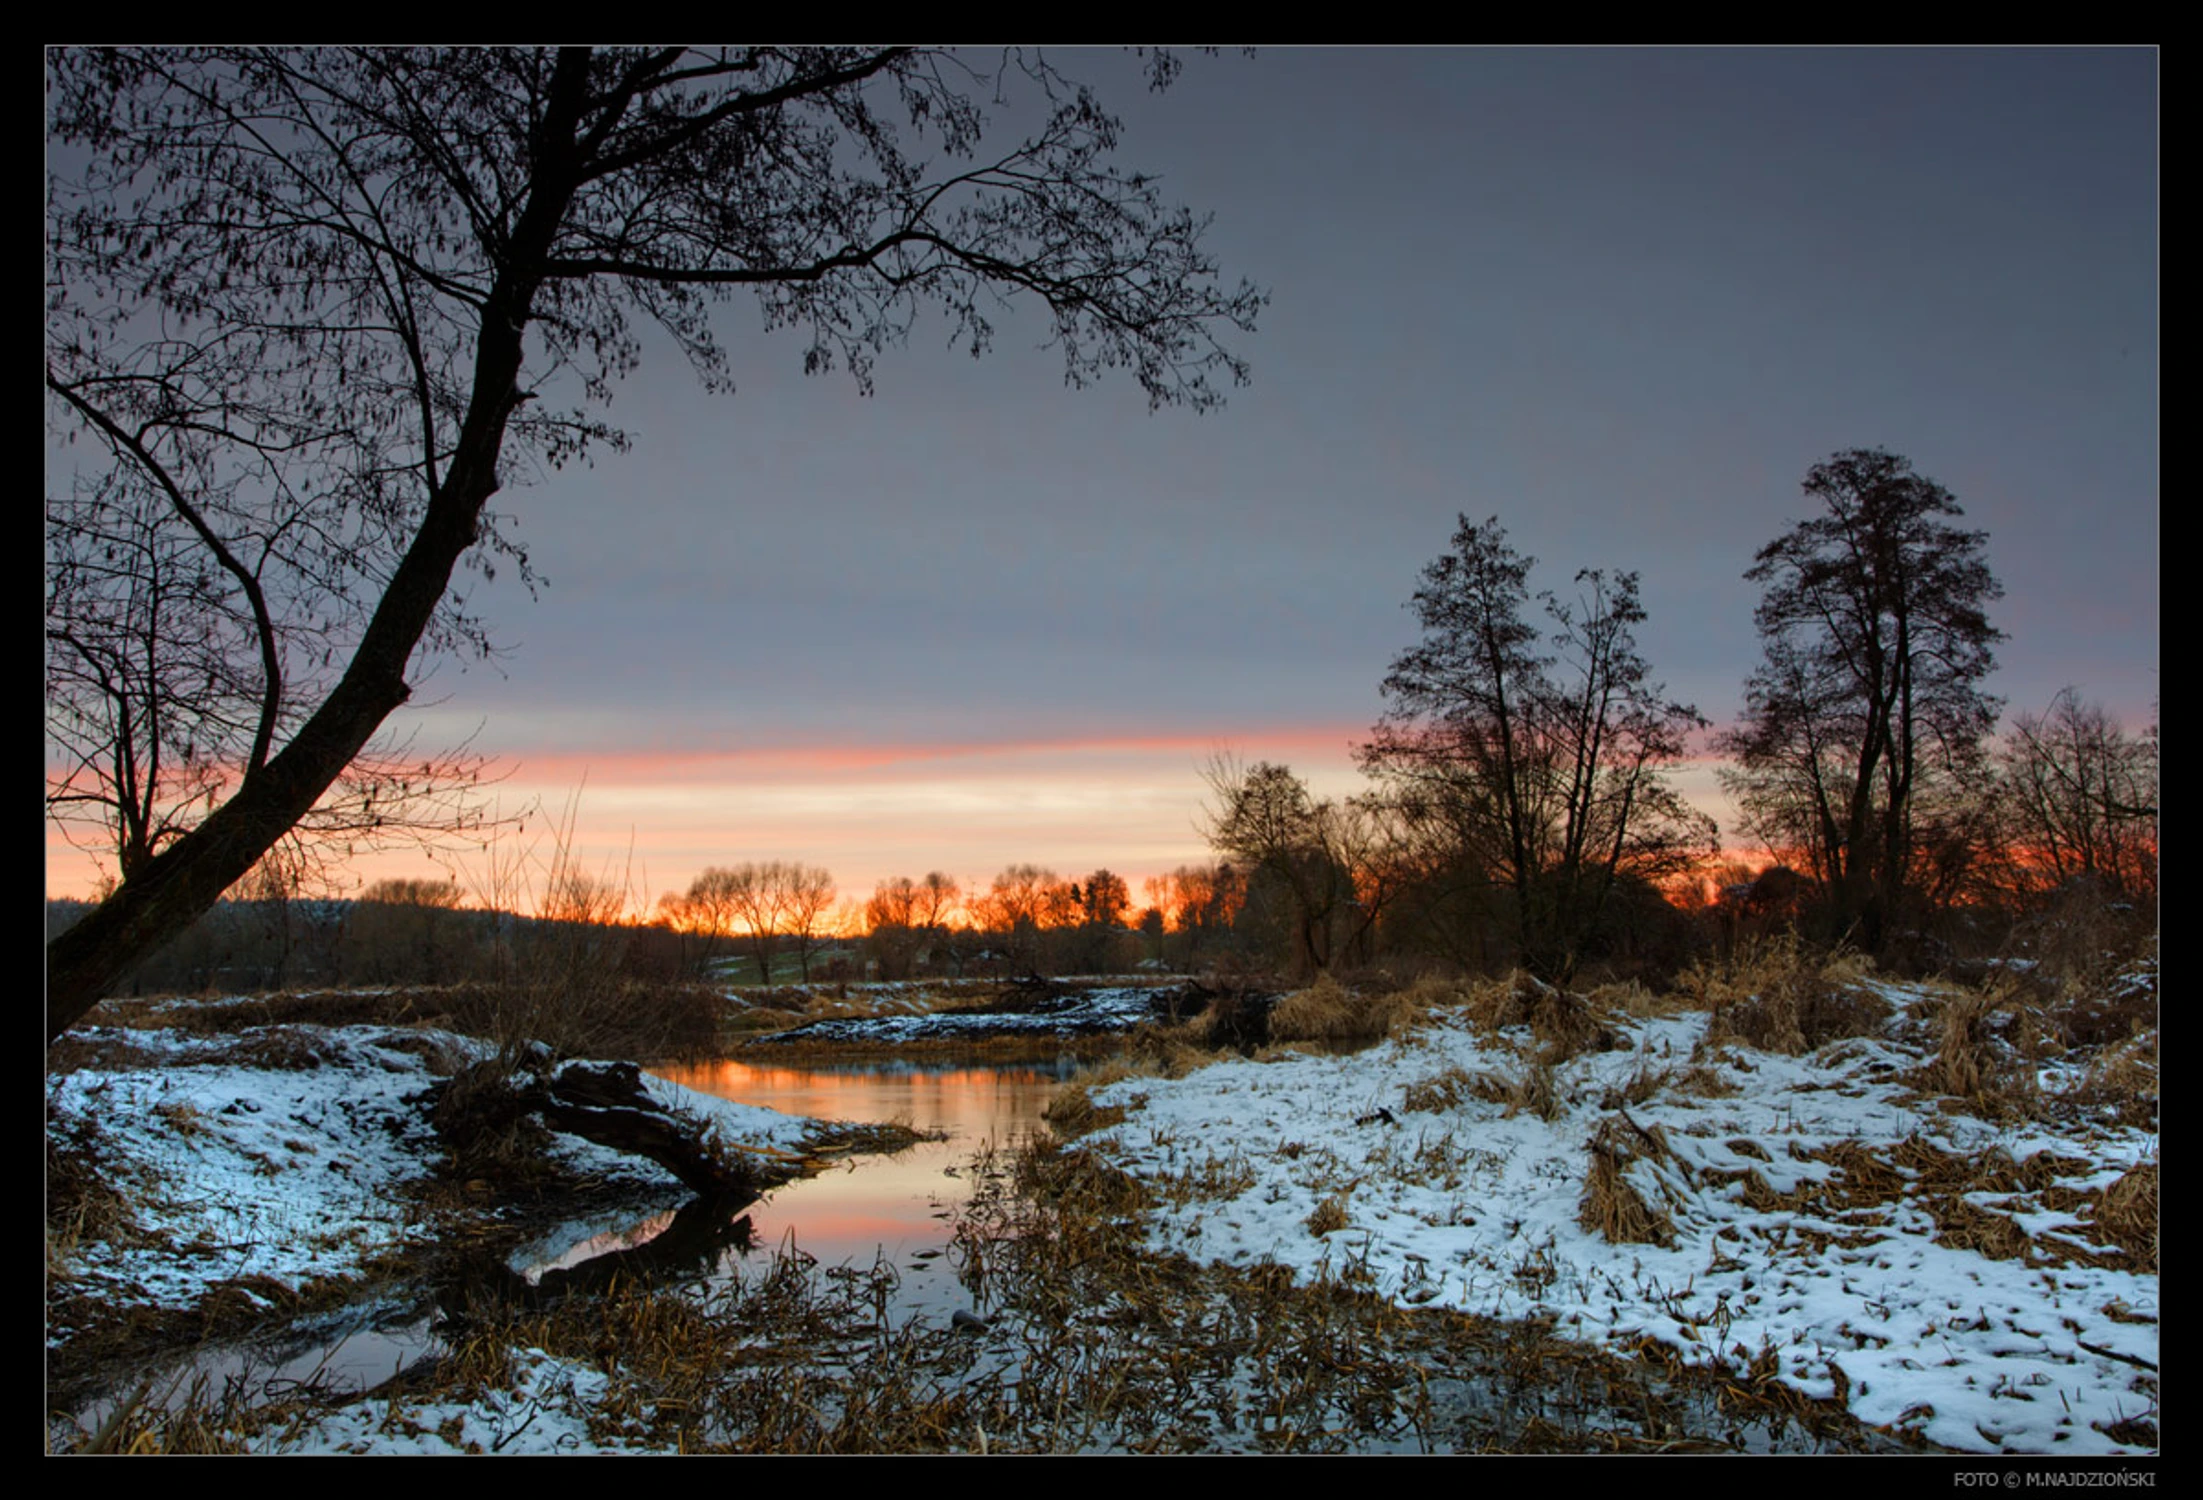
(1518, 812)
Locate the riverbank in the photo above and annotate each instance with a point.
(206, 1184)
(1798, 1212)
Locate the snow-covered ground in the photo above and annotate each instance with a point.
(547, 1410)
(234, 1171)
(1460, 1203)
(273, 1158)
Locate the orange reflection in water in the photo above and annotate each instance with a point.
(897, 1204)
(973, 1101)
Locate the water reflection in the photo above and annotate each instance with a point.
(968, 1099)
(897, 1208)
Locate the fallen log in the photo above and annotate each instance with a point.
(604, 1103)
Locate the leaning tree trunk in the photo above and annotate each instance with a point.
(174, 888)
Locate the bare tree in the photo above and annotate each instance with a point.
(159, 662)
(1329, 864)
(2079, 800)
(934, 904)
(906, 918)
(810, 896)
(757, 895)
(894, 903)
(1026, 909)
(890, 923)
(1867, 708)
(1198, 904)
(771, 901)
(1094, 942)
(707, 909)
(1534, 764)
(308, 311)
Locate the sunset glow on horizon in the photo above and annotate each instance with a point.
(653, 821)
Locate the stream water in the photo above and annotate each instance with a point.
(871, 1208)
(894, 1208)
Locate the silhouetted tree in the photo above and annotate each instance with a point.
(1328, 865)
(934, 908)
(1198, 904)
(1534, 764)
(312, 309)
(891, 926)
(1096, 945)
(759, 895)
(810, 894)
(2078, 800)
(708, 909)
(1867, 706)
(1015, 909)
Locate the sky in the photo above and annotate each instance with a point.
(1622, 300)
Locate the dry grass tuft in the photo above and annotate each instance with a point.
(1964, 1225)
(1974, 1061)
(2043, 1169)
(580, 1010)
(2086, 937)
(1171, 1051)
(1704, 1082)
(1232, 1021)
(1432, 993)
(279, 1049)
(1563, 1023)
(1966, 1062)
(238, 1013)
(1328, 1013)
(1071, 1110)
(1960, 1193)
(2115, 1006)
(1078, 1181)
(1630, 998)
(1759, 1195)
(1937, 1170)
(108, 1051)
(1439, 1092)
(1842, 1009)
(2121, 1082)
(86, 1192)
(1611, 1206)
(1330, 1216)
(587, 1012)
(1644, 1081)
(2126, 1215)
(1754, 1001)
(1491, 1003)
(197, 1420)
(1864, 1180)
(1784, 997)
(1533, 1091)
(435, 1049)
(492, 1130)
